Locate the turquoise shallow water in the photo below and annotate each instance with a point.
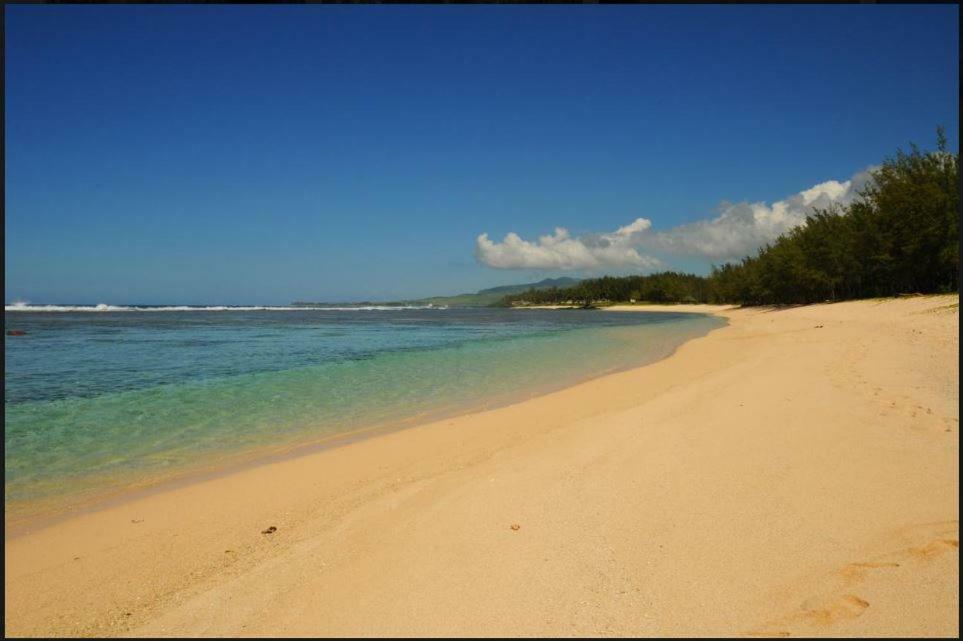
(97, 401)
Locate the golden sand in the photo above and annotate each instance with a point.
(794, 473)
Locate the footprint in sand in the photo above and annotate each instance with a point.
(818, 612)
(829, 609)
(934, 548)
(848, 606)
(856, 572)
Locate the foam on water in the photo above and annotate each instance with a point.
(20, 306)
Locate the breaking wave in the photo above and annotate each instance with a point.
(103, 307)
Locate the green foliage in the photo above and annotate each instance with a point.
(666, 287)
(900, 236)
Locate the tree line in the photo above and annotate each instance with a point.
(901, 235)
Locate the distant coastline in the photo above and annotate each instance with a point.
(491, 297)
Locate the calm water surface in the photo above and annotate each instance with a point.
(96, 401)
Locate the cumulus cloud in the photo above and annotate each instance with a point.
(742, 228)
(739, 229)
(561, 251)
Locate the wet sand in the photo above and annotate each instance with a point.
(793, 473)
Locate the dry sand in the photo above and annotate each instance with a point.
(794, 473)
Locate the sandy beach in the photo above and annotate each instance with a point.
(794, 473)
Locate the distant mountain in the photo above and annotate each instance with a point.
(481, 298)
(492, 295)
(548, 283)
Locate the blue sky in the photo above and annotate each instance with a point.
(261, 154)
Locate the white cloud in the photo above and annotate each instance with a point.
(561, 251)
(742, 228)
(739, 230)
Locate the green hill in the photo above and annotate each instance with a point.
(481, 298)
(493, 295)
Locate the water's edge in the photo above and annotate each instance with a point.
(30, 521)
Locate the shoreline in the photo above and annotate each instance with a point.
(649, 501)
(27, 521)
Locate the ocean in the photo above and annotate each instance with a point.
(102, 399)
